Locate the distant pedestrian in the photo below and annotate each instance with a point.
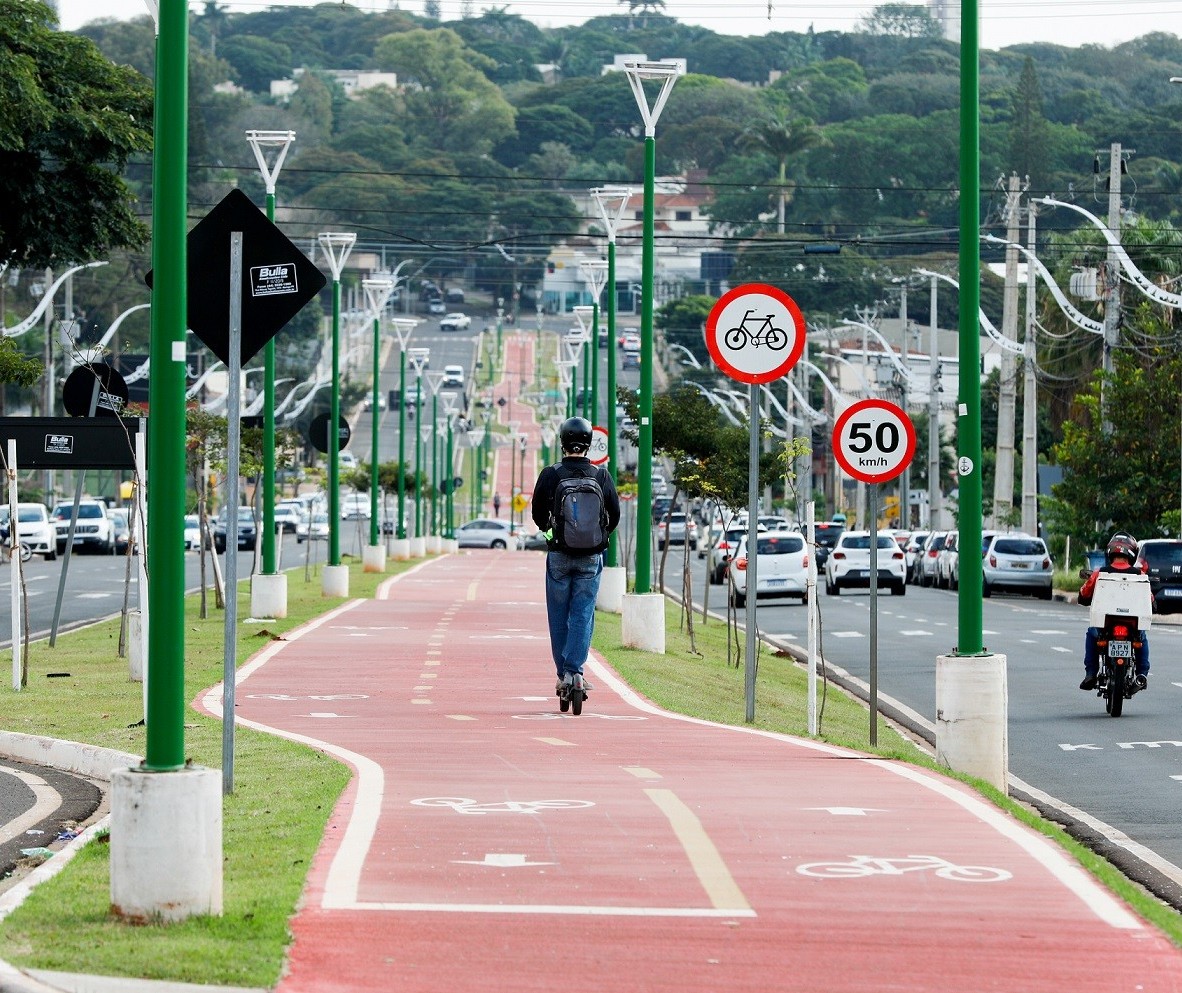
(497, 504)
(575, 503)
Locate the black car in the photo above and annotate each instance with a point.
(247, 533)
(827, 533)
(1161, 560)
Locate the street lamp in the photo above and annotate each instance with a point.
(336, 245)
(378, 291)
(434, 381)
(272, 592)
(665, 73)
(449, 398)
(402, 326)
(419, 357)
(584, 314)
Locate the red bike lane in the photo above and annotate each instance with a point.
(488, 842)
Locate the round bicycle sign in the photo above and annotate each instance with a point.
(873, 440)
(755, 333)
(598, 452)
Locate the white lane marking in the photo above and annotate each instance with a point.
(849, 811)
(1047, 631)
(640, 772)
(556, 741)
(846, 634)
(459, 717)
(45, 801)
(916, 633)
(1060, 648)
(501, 860)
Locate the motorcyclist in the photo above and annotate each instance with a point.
(1119, 556)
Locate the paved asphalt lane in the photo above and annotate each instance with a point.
(36, 805)
(489, 842)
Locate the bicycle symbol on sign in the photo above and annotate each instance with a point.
(870, 865)
(765, 334)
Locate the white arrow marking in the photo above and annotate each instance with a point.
(849, 811)
(916, 633)
(501, 860)
(1087, 748)
(319, 713)
(1176, 777)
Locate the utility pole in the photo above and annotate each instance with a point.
(1029, 397)
(1003, 476)
(1111, 276)
(935, 494)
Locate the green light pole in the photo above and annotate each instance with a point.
(666, 73)
(403, 326)
(595, 272)
(612, 202)
(280, 141)
(475, 452)
(419, 359)
(434, 381)
(448, 477)
(378, 291)
(336, 246)
(584, 314)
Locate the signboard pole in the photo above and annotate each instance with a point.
(14, 560)
(872, 497)
(752, 550)
(79, 483)
(811, 532)
(233, 458)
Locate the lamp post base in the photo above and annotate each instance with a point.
(971, 716)
(268, 595)
(434, 544)
(334, 580)
(642, 622)
(612, 586)
(166, 844)
(400, 550)
(373, 558)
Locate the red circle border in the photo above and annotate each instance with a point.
(859, 474)
(755, 379)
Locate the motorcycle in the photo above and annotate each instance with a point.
(1121, 610)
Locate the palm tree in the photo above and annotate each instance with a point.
(782, 137)
(215, 18)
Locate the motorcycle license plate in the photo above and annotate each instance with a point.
(1120, 649)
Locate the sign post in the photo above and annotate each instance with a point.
(874, 441)
(755, 334)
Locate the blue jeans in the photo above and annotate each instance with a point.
(572, 584)
(1092, 656)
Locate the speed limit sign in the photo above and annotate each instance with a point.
(598, 452)
(874, 440)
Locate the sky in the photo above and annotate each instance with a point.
(1003, 22)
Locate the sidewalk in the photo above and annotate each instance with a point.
(488, 842)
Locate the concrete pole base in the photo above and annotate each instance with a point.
(334, 580)
(418, 547)
(135, 655)
(373, 558)
(400, 549)
(612, 587)
(434, 544)
(166, 844)
(972, 715)
(268, 595)
(642, 622)
(452, 544)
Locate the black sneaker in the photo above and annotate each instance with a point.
(1089, 683)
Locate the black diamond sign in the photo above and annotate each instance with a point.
(277, 278)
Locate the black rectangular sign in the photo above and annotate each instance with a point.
(72, 442)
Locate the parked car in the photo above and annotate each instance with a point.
(1161, 560)
(535, 542)
(455, 322)
(929, 559)
(782, 566)
(487, 532)
(676, 529)
(1017, 562)
(948, 562)
(34, 529)
(912, 553)
(848, 564)
(247, 532)
(93, 531)
(120, 523)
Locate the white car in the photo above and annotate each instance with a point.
(630, 342)
(455, 322)
(435, 307)
(354, 506)
(93, 529)
(782, 566)
(35, 529)
(346, 460)
(453, 375)
(848, 564)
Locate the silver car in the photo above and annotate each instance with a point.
(1018, 562)
(487, 532)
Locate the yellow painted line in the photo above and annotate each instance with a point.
(459, 717)
(555, 741)
(705, 859)
(419, 700)
(640, 772)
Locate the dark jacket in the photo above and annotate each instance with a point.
(542, 508)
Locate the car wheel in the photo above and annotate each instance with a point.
(738, 601)
(1046, 594)
(498, 543)
(899, 589)
(986, 589)
(660, 546)
(50, 556)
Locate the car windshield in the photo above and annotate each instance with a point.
(862, 541)
(1019, 546)
(780, 545)
(828, 536)
(1167, 553)
(28, 514)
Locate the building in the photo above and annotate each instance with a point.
(352, 81)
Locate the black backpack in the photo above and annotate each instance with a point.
(579, 514)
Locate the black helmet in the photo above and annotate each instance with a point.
(1121, 545)
(575, 435)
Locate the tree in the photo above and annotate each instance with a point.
(257, 61)
(1029, 131)
(782, 138)
(69, 123)
(904, 20)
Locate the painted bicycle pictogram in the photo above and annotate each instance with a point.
(463, 805)
(765, 334)
(869, 865)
